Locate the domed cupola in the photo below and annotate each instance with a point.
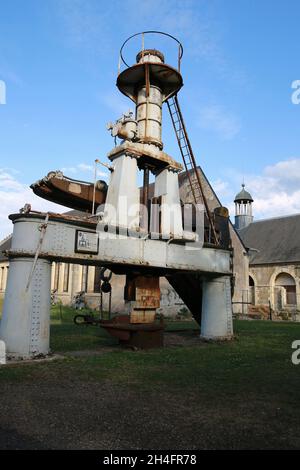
(243, 209)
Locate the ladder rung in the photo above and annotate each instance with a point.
(188, 158)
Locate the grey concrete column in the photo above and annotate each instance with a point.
(25, 322)
(76, 275)
(216, 320)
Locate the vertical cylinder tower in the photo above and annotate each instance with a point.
(149, 83)
(243, 209)
(149, 102)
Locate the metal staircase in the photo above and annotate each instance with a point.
(190, 164)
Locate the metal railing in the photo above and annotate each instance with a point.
(142, 34)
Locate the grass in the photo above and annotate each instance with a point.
(66, 336)
(258, 358)
(250, 381)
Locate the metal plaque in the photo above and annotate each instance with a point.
(86, 242)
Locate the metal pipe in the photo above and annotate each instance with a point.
(94, 190)
(143, 46)
(144, 221)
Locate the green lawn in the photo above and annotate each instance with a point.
(66, 336)
(248, 385)
(259, 357)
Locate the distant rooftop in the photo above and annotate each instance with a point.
(243, 195)
(277, 240)
(5, 244)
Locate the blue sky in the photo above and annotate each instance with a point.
(59, 58)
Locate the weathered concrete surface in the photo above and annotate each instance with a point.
(265, 290)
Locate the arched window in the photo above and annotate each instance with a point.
(287, 281)
(251, 290)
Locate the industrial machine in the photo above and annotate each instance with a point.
(126, 229)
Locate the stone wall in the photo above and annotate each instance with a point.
(264, 283)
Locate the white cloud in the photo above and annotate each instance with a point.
(221, 188)
(288, 171)
(114, 102)
(216, 119)
(276, 191)
(69, 169)
(84, 168)
(13, 195)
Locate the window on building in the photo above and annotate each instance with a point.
(251, 291)
(286, 281)
(2, 287)
(66, 277)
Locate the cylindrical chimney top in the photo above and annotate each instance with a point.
(150, 55)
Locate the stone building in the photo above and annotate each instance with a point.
(274, 252)
(69, 279)
(4, 264)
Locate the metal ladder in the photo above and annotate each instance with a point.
(190, 162)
